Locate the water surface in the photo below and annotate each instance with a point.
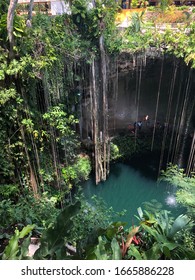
(126, 188)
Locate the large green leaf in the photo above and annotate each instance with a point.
(160, 238)
(164, 221)
(180, 223)
(54, 238)
(112, 229)
(133, 252)
(12, 249)
(24, 248)
(100, 250)
(170, 245)
(154, 253)
(26, 230)
(116, 250)
(150, 230)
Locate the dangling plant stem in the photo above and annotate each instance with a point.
(166, 128)
(105, 109)
(177, 157)
(175, 125)
(138, 90)
(157, 103)
(191, 159)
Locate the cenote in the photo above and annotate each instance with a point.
(128, 188)
(170, 107)
(86, 101)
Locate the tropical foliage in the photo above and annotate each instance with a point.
(42, 72)
(155, 30)
(185, 186)
(16, 250)
(156, 237)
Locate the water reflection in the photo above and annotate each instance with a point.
(171, 200)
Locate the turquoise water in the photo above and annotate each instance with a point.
(128, 189)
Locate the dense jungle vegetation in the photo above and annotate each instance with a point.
(43, 159)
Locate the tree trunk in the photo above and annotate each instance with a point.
(29, 18)
(33, 181)
(10, 26)
(70, 3)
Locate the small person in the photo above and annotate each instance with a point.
(139, 124)
(146, 120)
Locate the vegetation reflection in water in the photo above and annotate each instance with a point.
(127, 189)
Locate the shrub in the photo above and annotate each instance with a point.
(77, 172)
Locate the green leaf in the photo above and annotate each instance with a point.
(116, 250)
(133, 251)
(12, 249)
(26, 230)
(166, 252)
(53, 238)
(150, 230)
(24, 248)
(140, 213)
(154, 253)
(179, 224)
(113, 229)
(100, 250)
(18, 29)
